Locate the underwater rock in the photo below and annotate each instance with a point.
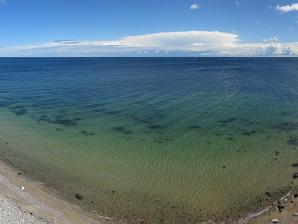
(79, 196)
(295, 175)
(295, 165)
(87, 133)
(268, 194)
(286, 126)
(122, 130)
(293, 140)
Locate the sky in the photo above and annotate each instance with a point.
(148, 28)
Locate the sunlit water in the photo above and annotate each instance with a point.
(170, 140)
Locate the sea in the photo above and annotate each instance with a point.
(154, 140)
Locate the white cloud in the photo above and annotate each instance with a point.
(187, 43)
(271, 39)
(287, 8)
(194, 6)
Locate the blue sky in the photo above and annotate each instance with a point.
(148, 28)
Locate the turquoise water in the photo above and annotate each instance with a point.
(164, 140)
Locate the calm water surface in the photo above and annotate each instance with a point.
(169, 140)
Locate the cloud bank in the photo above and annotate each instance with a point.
(187, 43)
(287, 8)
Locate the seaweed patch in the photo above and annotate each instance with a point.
(87, 133)
(100, 110)
(229, 120)
(66, 122)
(60, 120)
(44, 118)
(194, 127)
(112, 112)
(286, 126)
(163, 140)
(18, 110)
(248, 132)
(293, 140)
(156, 127)
(122, 130)
(149, 119)
(5, 104)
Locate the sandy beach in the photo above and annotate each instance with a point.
(26, 201)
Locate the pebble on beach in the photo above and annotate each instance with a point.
(275, 220)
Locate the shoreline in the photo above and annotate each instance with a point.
(31, 200)
(38, 203)
(283, 210)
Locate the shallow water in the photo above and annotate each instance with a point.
(170, 140)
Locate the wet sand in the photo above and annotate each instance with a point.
(25, 201)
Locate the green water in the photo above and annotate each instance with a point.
(198, 148)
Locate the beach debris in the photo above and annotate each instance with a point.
(280, 205)
(295, 175)
(275, 220)
(22, 188)
(79, 196)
